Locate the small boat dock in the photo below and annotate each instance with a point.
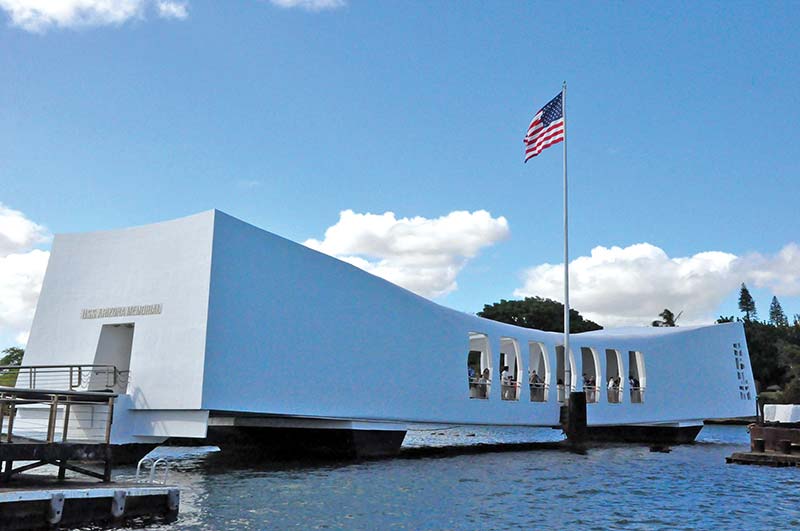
(67, 429)
(36, 502)
(774, 438)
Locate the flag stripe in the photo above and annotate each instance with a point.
(549, 140)
(535, 122)
(543, 147)
(533, 129)
(555, 126)
(550, 136)
(539, 145)
(533, 153)
(554, 129)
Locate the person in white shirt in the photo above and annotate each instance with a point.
(506, 382)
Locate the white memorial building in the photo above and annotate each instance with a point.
(222, 332)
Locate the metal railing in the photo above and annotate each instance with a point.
(539, 391)
(563, 393)
(63, 377)
(48, 417)
(479, 388)
(614, 395)
(591, 394)
(637, 395)
(510, 390)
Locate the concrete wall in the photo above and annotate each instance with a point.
(690, 373)
(295, 332)
(164, 263)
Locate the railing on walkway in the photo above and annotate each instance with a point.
(510, 390)
(591, 394)
(539, 391)
(614, 395)
(55, 428)
(637, 395)
(63, 377)
(479, 388)
(49, 417)
(563, 393)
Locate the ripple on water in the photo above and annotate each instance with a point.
(616, 487)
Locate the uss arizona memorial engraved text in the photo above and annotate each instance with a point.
(121, 311)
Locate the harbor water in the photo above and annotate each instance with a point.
(610, 487)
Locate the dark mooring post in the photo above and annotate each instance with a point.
(576, 419)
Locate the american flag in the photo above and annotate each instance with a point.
(546, 129)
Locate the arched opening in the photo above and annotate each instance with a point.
(479, 366)
(637, 378)
(510, 368)
(563, 390)
(539, 372)
(591, 374)
(614, 381)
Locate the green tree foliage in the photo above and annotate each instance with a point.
(776, 315)
(774, 355)
(746, 304)
(667, 318)
(769, 366)
(790, 351)
(12, 356)
(536, 312)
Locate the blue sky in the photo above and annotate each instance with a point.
(682, 130)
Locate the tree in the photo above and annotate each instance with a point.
(725, 319)
(746, 304)
(536, 312)
(667, 318)
(776, 315)
(769, 368)
(13, 356)
(790, 351)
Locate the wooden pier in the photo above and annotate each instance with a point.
(771, 444)
(67, 426)
(765, 459)
(58, 428)
(34, 502)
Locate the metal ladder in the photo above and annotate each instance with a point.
(153, 465)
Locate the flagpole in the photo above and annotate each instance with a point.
(567, 368)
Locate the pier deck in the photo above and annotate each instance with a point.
(764, 458)
(40, 502)
(58, 428)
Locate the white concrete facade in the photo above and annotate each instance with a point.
(227, 317)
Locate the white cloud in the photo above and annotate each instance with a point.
(40, 15)
(21, 271)
(780, 273)
(18, 232)
(310, 5)
(21, 278)
(169, 9)
(422, 255)
(630, 286)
